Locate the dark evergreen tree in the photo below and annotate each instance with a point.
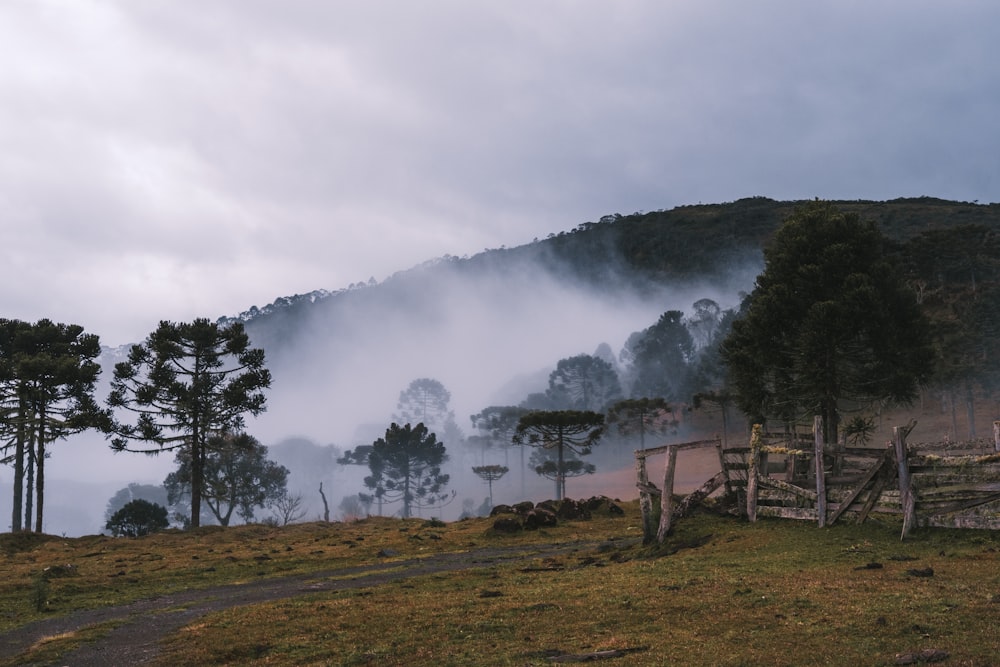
(237, 477)
(584, 382)
(184, 385)
(490, 474)
(642, 417)
(138, 518)
(48, 375)
(561, 431)
(426, 401)
(704, 322)
(496, 425)
(658, 358)
(956, 273)
(545, 463)
(406, 466)
(134, 491)
(829, 326)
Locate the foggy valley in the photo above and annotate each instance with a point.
(490, 328)
(489, 331)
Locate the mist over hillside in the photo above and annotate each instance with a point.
(490, 327)
(341, 362)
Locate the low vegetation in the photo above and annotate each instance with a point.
(720, 591)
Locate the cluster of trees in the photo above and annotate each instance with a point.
(843, 320)
(48, 374)
(187, 388)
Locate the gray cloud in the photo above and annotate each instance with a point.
(162, 160)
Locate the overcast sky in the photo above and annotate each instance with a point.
(169, 160)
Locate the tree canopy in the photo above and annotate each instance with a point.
(642, 416)
(584, 382)
(406, 466)
(829, 326)
(48, 375)
(137, 518)
(238, 477)
(562, 431)
(659, 356)
(185, 384)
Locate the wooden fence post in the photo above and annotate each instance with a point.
(905, 485)
(753, 470)
(996, 436)
(645, 500)
(720, 447)
(666, 495)
(820, 475)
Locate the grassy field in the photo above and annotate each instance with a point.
(721, 591)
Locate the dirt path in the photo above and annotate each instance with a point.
(143, 624)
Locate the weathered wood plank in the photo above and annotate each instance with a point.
(667, 496)
(662, 449)
(868, 477)
(753, 473)
(820, 472)
(905, 484)
(883, 480)
(698, 495)
(788, 488)
(645, 499)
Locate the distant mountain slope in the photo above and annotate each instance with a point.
(340, 358)
(634, 253)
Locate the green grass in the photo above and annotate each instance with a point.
(721, 591)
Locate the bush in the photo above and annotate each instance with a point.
(138, 518)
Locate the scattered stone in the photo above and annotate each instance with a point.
(925, 572)
(490, 594)
(870, 566)
(387, 553)
(927, 655)
(539, 518)
(523, 507)
(502, 509)
(507, 524)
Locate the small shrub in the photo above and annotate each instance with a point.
(40, 593)
(137, 518)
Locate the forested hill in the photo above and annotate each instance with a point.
(633, 253)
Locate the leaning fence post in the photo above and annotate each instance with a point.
(666, 496)
(906, 498)
(753, 467)
(820, 475)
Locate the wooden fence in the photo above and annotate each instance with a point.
(797, 477)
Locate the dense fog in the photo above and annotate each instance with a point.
(489, 336)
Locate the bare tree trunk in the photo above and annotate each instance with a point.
(29, 487)
(40, 474)
(18, 499)
(326, 507)
(197, 477)
(970, 409)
